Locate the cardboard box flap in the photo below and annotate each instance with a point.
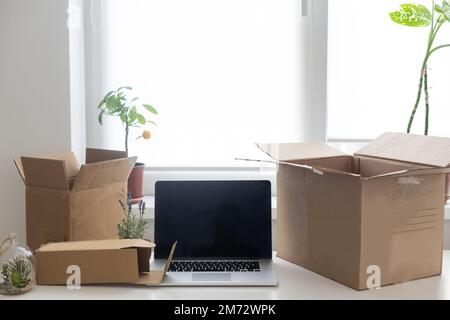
(113, 244)
(70, 161)
(99, 155)
(155, 277)
(101, 261)
(47, 173)
(19, 166)
(424, 150)
(96, 175)
(299, 151)
(410, 173)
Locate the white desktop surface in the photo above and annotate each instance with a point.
(294, 283)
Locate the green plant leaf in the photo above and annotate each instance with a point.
(150, 108)
(412, 15)
(101, 104)
(125, 88)
(19, 270)
(152, 122)
(132, 115)
(141, 119)
(444, 10)
(123, 117)
(100, 117)
(441, 8)
(104, 99)
(110, 103)
(109, 94)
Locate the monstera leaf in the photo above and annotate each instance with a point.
(412, 15)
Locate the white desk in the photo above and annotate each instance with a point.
(295, 283)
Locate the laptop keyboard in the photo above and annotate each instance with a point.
(214, 266)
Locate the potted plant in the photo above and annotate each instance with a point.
(117, 103)
(133, 226)
(17, 267)
(417, 15)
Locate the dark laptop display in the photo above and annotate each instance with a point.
(213, 219)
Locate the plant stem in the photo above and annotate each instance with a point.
(127, 131)
(419, 94)
(423, 83)
(433, 33)
(434, 29)
(437, 48)
(427, 103)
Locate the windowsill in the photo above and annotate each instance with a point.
(150, 208)
(150, 205)
(152, 175)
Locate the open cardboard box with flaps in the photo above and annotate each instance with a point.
(389, 154)
(69, 202)
(339, 215)
(117, 261)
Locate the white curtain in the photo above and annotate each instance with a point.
(223, 74)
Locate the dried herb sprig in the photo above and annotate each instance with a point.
(133, 226)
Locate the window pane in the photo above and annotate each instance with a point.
(374, 70)
(222, 73)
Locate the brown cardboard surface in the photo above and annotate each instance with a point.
(412, 173)
(19, 167)
(65, 204)
(299, 151)
(338, 215)
(370, 167)
(319, 170)
(318, 222)
(425, 150)
(71, 163)
(95, 213)
(47, 173)
(447, 193)
(100, 174)
(100, 155)
(341, 163)
(47, 216)
(155, 277)
(100, 262)
(402, 228)
(99, 266)
(107, 244)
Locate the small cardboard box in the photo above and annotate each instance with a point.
(66, 202)
(99, 262)
(343, 216)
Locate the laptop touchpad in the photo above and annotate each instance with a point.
(213, 277)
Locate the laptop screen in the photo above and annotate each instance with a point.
(213, 219)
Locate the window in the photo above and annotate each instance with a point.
(222, 73)
(374, 69)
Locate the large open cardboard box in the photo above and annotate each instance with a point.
(68, 202)
(99, 262)
(338, 215)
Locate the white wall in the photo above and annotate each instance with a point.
(77, 77)
(34, 94)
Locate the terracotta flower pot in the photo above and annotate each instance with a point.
(136, 181)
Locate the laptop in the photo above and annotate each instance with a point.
(223, 229)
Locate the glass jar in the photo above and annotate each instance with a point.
(17, 267)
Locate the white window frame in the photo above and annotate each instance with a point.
(316, 11)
